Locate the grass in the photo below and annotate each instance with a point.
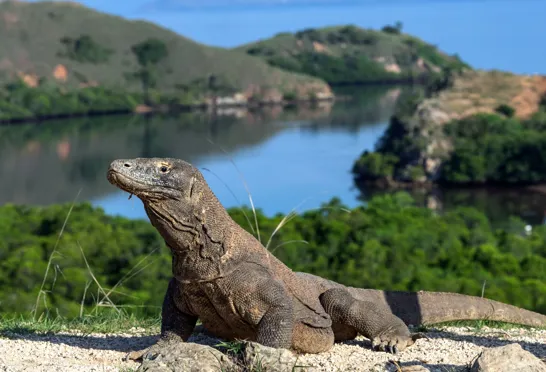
(108, 322)
(32, 44)
(484, 91)
(476, 325)
(112, 322)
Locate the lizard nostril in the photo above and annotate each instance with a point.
(127, 165)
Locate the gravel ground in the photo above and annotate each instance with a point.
(447, 349)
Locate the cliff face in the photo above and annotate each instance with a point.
(473, 92)
(417, 137)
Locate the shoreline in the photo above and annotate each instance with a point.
(394, 186)
(207, 106)
(143, 109)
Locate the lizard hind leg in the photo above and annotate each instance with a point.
(308, 339)
(386, 331)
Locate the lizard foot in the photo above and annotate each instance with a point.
(149, 353)
(395, 339)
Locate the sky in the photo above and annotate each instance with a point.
(488, 34)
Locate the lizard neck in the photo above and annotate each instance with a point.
(197, 234)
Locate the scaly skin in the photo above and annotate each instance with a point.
(225, 277)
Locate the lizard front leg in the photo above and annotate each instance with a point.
(276, 326)
(264, 303)
(386, 331)
(176, 326)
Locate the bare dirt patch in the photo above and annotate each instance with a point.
(447, 349)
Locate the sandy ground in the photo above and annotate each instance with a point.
(448, 349)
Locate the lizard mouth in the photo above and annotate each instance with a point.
(125, 183)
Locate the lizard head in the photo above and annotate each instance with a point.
(153, 179)
(181, 206)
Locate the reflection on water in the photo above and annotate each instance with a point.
(499, 204)
(285, 156)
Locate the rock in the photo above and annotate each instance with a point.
(509, 358)
(188, 357)
(268, 359)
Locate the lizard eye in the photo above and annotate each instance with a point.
(163, 169)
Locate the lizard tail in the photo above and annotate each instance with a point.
(422, 307)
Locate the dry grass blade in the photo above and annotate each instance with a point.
(287, 219)
(289, 242)
(100, 289)
(87, 285)
(291, 216)
(50, 261)
(398, 369)
(130, 275)
(245, 185)
(234, 196)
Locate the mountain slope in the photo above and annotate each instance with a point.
(77, 45)
(349, 54)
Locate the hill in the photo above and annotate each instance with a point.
(349, 54)
(487, 127)
(75, 46)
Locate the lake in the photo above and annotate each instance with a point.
(284, 156)
(289, 159)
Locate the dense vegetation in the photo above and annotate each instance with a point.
(349, 54)
(486, 149)
(494, 149)
(19, 101)
(390, 244)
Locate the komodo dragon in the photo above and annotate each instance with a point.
(225, 277)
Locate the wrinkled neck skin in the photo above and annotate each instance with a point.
(198, 232)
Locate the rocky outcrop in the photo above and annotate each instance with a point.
(192, 357)
(471, 92)
(509, 358)
(263, 358)
(188, 357)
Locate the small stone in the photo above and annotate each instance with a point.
(509, 358)
(187, 357)
(269, 359)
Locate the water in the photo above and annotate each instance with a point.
(285, 157)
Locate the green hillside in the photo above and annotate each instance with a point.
(349, 54)
(76, 46)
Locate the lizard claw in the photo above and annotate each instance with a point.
(141, 355)
(395, 339)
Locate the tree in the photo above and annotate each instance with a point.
(85, 50)
(393, 29)
(505, 110)
(149, 54)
